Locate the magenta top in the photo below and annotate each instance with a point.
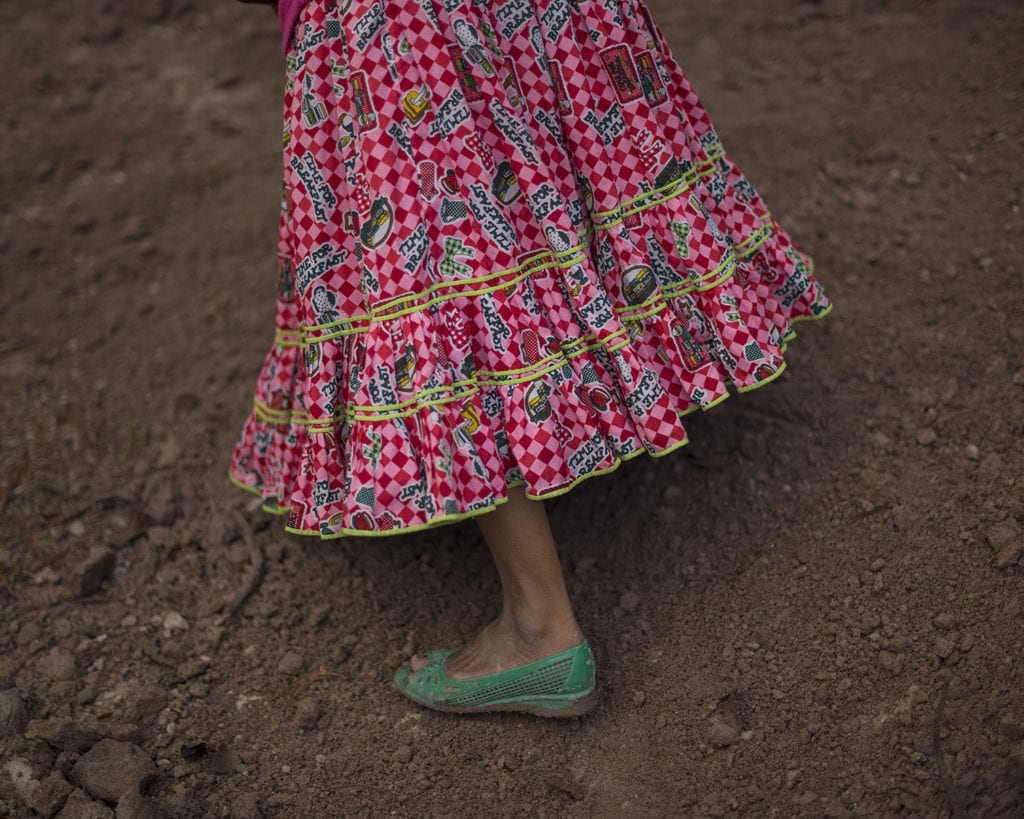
(288, 13)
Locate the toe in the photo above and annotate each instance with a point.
(417, 662)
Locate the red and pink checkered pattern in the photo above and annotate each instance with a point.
(512, 251)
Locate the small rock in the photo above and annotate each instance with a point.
(291, 663)
(926, 436)
(1008, 556)
(639, 698)
(972, 452)
(944, 646)
(1005, 538)
(317, 615)
(22, 777)
(94, 569)
(76, 528)
(629, 601)
(110, 768)
(307, 713)
(902, 518)
(12, 713)
(246, 806)
(28, 633)
(80, 806)
(944, 621)
(877, 565)
(133, 805)
(721, 733)
(172, 621)
(403, 753)
(57, 664)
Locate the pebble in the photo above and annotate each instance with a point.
(133, 805)
(944, 621)
(57, 664)
(307, 713)
(246, 806)
(639, 698)
(902, 518)
(877, 565)
(944, 646)
(629, 601)
(972, 452)
(80, 806)
(1006, 540)
(926, 436)
(721, 733)
(172, 621)
(109, 768)
(291, 663)
(403, 753)
(28, 633)
(76, 528)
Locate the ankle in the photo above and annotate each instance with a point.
(534, 625)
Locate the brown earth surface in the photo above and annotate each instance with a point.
(814, 609)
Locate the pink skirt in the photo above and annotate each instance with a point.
(512, 251)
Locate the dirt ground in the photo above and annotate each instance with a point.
(814, 609)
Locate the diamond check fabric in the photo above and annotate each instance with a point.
(512, 251)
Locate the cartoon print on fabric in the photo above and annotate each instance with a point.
(512, 250)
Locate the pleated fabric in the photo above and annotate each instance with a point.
(512, 251)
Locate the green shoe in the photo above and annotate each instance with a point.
(561, 685)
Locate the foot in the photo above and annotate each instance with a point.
(505, 643)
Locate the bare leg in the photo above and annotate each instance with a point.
(536, 618)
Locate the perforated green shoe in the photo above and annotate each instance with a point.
(561, 685)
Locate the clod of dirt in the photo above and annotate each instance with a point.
(93, 570)
(403, 753)
(1005, 539)
(944, 621)
(80, 806)
(246, 806)
(12, 713)
(629, 601)
(291, 663)
(56, 664)
(307, 713)
(133, 805)
(43, 796)
(110, 768)
(721, 733)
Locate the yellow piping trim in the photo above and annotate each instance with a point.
(444, 519)
(273, 510)
(688, 180)
(376, 314)
(574, 255)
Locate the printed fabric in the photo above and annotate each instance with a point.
(512, 251)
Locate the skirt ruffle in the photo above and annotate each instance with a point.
(513, 251)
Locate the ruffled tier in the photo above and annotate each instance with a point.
(392, 403)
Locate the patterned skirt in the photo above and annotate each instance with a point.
(512, 251)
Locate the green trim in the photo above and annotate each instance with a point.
(664, 193)
(430, 524)
(572, 256)
(618, 461)
(266, 507)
